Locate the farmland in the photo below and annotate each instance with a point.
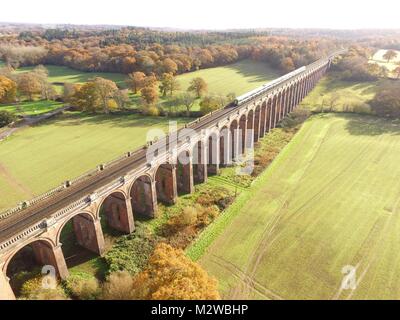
(330, 200)
(39, 158)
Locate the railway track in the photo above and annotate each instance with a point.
(23, 219)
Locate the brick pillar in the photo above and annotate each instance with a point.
(89, 233)
(212, 155)
(118, 211)
(6, 292)
(166, 187)
(262, 121)
(200, 164)
(256, 127)
(184, 177)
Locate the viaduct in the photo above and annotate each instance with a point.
(132, 185)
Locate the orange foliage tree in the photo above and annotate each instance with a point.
(173, 276)
(8, 90)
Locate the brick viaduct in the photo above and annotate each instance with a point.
(132, 185)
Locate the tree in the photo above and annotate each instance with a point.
(149, 95)
(8, 90)
(29, 84)
(169, 66)
(6, 117)
(389, 55)
(168, 83)
(86, 97)
(212, 103)
(198, 86)
(386, 102)
(171, 275)
(106, 90)
(397, 71)
(186, 99)
(136, 81)
(122, 99)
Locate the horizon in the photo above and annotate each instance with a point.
(221, 15)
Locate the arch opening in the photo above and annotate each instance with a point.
(166, 184)
(184, 173)
(144, 204)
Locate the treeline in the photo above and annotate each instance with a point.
(149, 51)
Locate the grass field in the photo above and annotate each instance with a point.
(391, 65)
(330, 199)
(238, 78)
(347, 94)
(31, 108)
(39, 158)
(60, 74)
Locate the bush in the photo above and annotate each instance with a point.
(82, 286)
(6, 118)
(220, 196)
(131, 252)
(33, 290)
(118, 286)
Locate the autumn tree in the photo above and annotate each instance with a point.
(212, 103)
(149, 94)
(29, 84)
(169, 66)
(136, 81)
(168, 84)
(122, 99)
(171, 275)
(106, 90)
(198, 86)
(8, 90)
(86, 98)
(389, 55)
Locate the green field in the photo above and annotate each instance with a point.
(36, 159)
(60, 75)
(391, 65)
(238, 78)
(329, 200)
(331, 91)
(32, 108)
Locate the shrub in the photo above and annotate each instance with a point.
(219, 196)
(82, 286)
(6, 118)
(34, 290)
(118, 286)
(131, 252)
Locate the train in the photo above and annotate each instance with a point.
(253, 93)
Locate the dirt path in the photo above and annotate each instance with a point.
(30, 120)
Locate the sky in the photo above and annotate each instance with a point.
(208, 14)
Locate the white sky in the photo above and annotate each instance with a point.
(208, 14)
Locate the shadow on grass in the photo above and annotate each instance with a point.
(123, 120)
(364, 125)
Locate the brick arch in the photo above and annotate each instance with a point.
(143, 196)
(42, 252)
(87, 230)
(117, 211)
(242, 133)
(165, 180)
(7, 261)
